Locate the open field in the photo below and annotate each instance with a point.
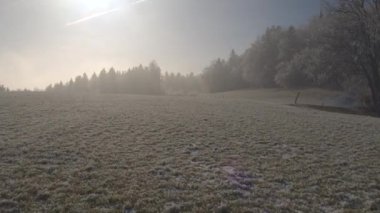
(224, 153)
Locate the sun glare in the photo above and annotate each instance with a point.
(95, 4)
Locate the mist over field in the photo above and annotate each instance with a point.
(189, 106)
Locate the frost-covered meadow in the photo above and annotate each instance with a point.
(120, 153)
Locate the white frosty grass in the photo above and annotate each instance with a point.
(116, 153)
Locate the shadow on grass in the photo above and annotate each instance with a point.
(352, 111)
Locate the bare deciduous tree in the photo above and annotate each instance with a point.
(358, 27)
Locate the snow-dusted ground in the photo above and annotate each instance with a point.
(114, 153)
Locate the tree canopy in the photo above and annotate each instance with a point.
(340, 49)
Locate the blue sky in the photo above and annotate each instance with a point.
(38, 46)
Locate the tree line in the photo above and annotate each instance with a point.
(137, 80)
(182, 84)
(3, 88)
(340, 49)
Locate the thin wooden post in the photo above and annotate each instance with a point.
(296, 99)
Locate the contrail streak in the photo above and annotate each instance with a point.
(96, 15)
(92, 17)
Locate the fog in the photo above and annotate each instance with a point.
(43, 41)
(189, 106)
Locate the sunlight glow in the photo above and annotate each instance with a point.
(95, 4)
(101, 8)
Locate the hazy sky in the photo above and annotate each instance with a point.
(45, 41)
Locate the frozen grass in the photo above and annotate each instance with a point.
(183, 154)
